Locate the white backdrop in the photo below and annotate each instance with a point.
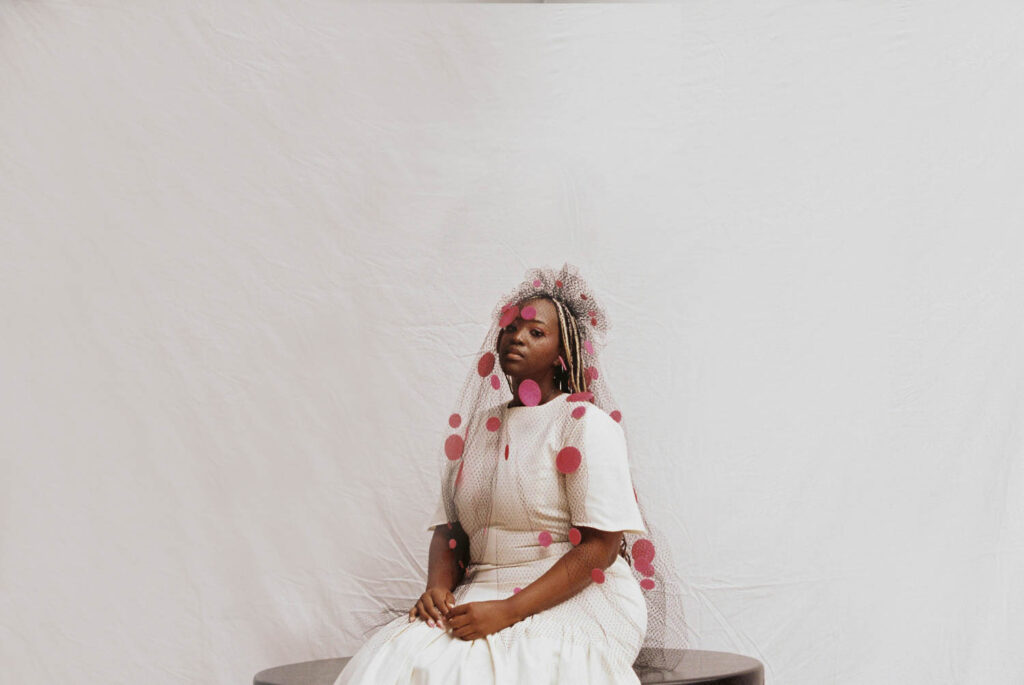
(247, 251)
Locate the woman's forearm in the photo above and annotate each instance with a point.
(443, 569)
(566, 577)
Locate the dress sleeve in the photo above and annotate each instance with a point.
(600, 491)
(440, 516)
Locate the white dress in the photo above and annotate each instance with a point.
(508, 503)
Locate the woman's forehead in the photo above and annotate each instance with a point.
(543, 310)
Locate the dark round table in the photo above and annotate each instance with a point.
(696, 666)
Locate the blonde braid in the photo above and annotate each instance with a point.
(577, 380)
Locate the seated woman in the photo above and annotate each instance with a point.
(530, 580)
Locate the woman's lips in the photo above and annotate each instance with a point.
(511, 354)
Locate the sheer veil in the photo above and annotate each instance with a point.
(473, 413)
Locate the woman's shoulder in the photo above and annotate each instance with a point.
(595, 421)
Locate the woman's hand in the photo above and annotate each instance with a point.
(433, 605)
(477, 619)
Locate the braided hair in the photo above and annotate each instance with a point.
(572, 377)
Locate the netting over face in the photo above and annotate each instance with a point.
(522, 480)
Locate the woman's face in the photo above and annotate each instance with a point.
(529, 348)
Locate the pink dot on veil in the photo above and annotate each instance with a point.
(495, 383)
(536, 283)
(643, 551)
(454, 420)
(529, 312)
(580, 397)
(617, 415)
(516, 590)
(453, 447)
(451, 543)
(529, 392)
(644, 568)
(568, 459)
(509, 316)
(591, 372)
(597, 575)
(647, 584)
(578, 411)
(486, 364)
(575, 536)
(544, 538)
(493, 423)
(590, 347)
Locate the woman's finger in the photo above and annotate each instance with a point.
(441, 602)
(431, 609)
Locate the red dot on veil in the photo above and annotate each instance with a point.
(597, 574)
(643, 551)
(529, 312)
(568, 459)
(453, 447)
(486, 364)
(593, 322)
(558, 283)
(645, 569)
(495, 383)
(493, 423)
(575, 536)
(509, 315)
(506, 452)
(647, 584)
(529, 392)
(544, 538)
(578, 412)
(617, 415)
(583, 296)
(454, 420)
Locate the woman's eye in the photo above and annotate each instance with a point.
(536, 331)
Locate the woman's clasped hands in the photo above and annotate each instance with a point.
(467, 621)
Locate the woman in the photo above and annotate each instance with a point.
(530, 577)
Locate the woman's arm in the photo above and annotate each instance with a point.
(446, 567)
(443, 569)
(569, 575)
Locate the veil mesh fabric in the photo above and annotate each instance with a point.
(477, 492)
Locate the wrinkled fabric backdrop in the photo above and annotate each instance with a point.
(248, 250)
